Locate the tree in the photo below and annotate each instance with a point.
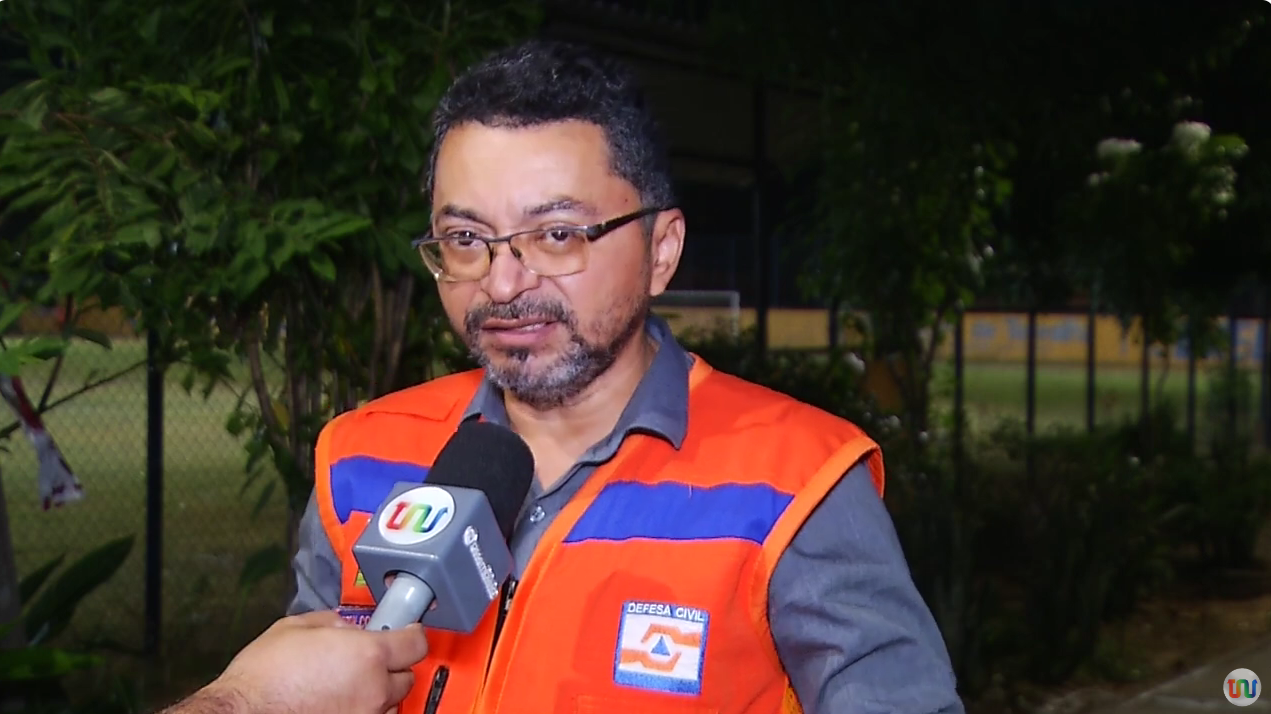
(1146, 216)
(953, 144)
(951, 136)
(243, 178)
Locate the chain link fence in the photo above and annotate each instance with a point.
(210, 529)
(208, 533)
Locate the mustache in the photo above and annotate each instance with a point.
(547, 310)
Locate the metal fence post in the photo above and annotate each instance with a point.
(959, 397)
(154, 495)
(1030, 392)
(1192, 330)
(1233, 369)
(759, 217)
(1145, 376)
(1030, 374)
(1092, 321)
(1266, 367)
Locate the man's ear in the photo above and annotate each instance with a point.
(665, 247)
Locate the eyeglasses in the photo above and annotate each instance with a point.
(548, 252)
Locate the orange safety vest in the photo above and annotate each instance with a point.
(649, 592)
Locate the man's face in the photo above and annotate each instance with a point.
(544, 339)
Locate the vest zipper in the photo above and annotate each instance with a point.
(439, 679)
(505, 604)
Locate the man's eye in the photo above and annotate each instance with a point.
(561, 235)
(463, 238)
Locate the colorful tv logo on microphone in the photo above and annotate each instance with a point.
(1241, 687)
(416, 515)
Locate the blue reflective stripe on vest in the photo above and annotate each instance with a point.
(361, 483)
(676, 511)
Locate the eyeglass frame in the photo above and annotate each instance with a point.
(591, 233)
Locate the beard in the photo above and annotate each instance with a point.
(554, 379)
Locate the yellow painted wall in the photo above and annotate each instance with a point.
(1062, 339)
(990, 337)
(42, 321)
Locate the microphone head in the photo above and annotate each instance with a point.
(438, 536)
(492, 459)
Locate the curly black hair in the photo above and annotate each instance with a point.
(545, 81)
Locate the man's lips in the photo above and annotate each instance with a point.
(522, 325)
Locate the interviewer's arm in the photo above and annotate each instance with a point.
(850, 627)
(210, 701)
(315, 663)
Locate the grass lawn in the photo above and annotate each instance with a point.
(997, 391)
(208, 528)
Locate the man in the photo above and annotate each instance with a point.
(692, 542)
(290, 669)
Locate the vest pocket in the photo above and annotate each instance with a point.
(590, 704)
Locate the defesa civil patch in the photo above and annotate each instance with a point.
(661, 647)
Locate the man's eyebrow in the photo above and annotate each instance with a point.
(564, 203)
(450, 210)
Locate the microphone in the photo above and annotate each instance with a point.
(446, 540)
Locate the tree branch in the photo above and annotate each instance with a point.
(61, 356)
(272, 427)
(8, 430)
(397, 329)
(378, 329)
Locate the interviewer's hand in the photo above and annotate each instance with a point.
(317, 663)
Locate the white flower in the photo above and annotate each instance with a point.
(1189, 135)
(855, 363)
(1117, 148)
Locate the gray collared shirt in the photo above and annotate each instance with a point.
(850, 627)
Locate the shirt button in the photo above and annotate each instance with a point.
(537, 514)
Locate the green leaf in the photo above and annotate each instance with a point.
(10, 314)
(94, 336)
(322, 266)
(108, 95)
(341, 227)
(149, 29)
(42, 663)
(145, 233)
(32, 583)
(281, 95)
(267, 561)
(47, 616)
(34, 112)
(255, 272)
(413, 223)
(235, 424)
(27, 352)
(263, 499)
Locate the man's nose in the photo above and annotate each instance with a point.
(508, 276)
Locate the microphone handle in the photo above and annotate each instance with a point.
(404, 603)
